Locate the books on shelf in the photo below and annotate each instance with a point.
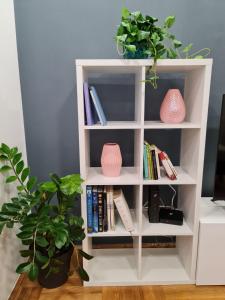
(101, 210)
(91, 96)
(151, 163)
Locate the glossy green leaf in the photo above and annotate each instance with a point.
(46, 264)
(41, 258)
(20, 188)
(48, 187)
(83, 274)
(11, 179)
(23, 268)
(125, 13)
(3, 157)
(25, 174)
(41, 241)
(26, 253)
(177, 44)
(19, 167)
(131, 48)
(5, 169)
(13, 152)
(24, 235)
(17, 158)
(27, 242)
(31, 182)
(60, 239)
(33, 272)
(71, 184)
(5, 149)
(187, 48)
(169, 21)
(85, 255)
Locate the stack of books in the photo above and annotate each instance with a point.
(91, 102)
(101, 211)
(153, 158)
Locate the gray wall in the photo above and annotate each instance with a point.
(52, 33)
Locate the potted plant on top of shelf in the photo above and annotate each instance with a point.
(140, 37)
(49, 229)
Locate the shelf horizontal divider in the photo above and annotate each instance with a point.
(161, 229)
(115, 125)
(161, 125)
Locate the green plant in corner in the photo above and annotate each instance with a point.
(140, 37)
(47, 228)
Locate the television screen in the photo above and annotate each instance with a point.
(219, 189)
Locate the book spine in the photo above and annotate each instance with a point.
(100, 209)
(124, 211)
(166, 166)
(157, 162)
(87, 104)
(98, 106)
(170, 164)
(112, 209)
(108, 208)
(95, 209)
(89, 209)
(150, 164)
(154, 164)
(145, 163)
(105, 211)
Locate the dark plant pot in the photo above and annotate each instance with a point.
(138, 54)
(55, 280)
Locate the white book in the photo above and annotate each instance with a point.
(157, 160)
(108, 208)
(112, 211)
(123, 209)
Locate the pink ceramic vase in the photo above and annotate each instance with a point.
(172, 109)
(111, 160)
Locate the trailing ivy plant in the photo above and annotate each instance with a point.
(140, 37)
(46, 228)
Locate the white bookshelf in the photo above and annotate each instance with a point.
(138, 265)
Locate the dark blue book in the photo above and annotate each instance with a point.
(89, 209)
(87, 105)
(95, 208)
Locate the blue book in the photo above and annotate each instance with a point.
(97, 105)
(145, 163)
(87, 105)
(89, 209)
(95, 208)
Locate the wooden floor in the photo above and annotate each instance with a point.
(73, 290)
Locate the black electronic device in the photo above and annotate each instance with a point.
(170, 215)
(153, 204)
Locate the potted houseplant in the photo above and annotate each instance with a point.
(48, 227)
(140, 37)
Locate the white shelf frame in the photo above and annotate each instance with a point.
(140, 266)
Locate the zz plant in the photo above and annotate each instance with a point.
(140, 37)
(47, 226)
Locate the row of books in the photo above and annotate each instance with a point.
(91, 103)
(153, 159)
(101, 209)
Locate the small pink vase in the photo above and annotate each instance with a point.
(172, 109)
(111, 160)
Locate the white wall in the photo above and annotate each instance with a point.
(11, 132)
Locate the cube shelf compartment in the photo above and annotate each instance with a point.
(138, 265)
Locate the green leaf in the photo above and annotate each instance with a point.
(13, 152)
(24, 235)
(169, 21)
(143, 35)
(33, 272)
(46, 264)
(77, 221)
(187, 48)
(11, 179)
(20, 188)
(71, 184)
(121, 38)
(5, 168)
(17, 158)
(60, 239)
(41, 241)
(41, 258)
(25, 174)
(26, 253)
(83, 274)
(19, 167)
(27, 242)
(198, 57)
(125, 13)
(177, 43)
(23, 268)
(31, 182)
(3, 157)
(48, 187)
(5, 149)
(131, 48)
(85, 255)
